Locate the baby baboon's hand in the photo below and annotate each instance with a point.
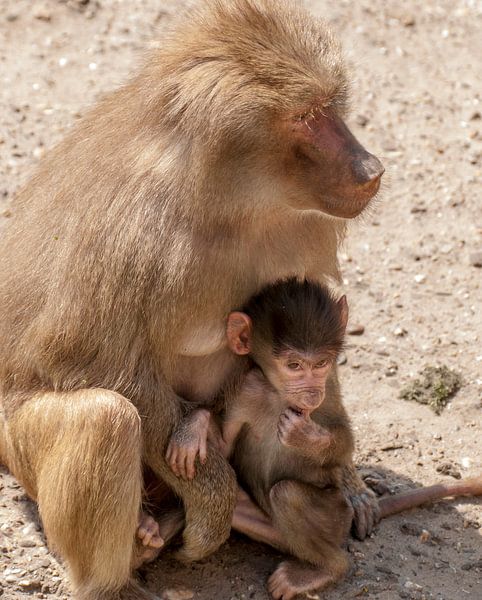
(298, 431)
(189, 440)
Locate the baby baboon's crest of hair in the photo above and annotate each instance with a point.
(299, 315)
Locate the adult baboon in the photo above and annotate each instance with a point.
(216, 169)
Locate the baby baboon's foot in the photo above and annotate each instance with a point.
(149, 540)
(292, 578)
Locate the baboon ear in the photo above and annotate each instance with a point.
(343, 308)
(238, 331)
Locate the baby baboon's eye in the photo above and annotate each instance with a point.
(294, 366)
(321, 364)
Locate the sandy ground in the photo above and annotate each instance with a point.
(409, 267)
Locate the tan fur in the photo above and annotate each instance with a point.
(168, 205)
(70, 451)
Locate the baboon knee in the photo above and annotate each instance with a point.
(111, 410)
(281, 492)
(314, 520)
(90, 487)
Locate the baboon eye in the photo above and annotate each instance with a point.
(294, 366)
(321, 364)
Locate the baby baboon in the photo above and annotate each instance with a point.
(290, 439)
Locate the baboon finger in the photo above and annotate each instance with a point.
(190, 460)
(169, 452)
(174, 461)
(180, 463)
(203, 451)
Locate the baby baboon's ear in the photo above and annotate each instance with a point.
(239, 333)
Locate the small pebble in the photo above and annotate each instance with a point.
(421, 278)
(42, 13)
(381, 351)
(29, 529)
(178, 594)
(30, 585)
(27, 543)
(361, 120)
(38, 152)
(410, 585)
(476, 259)
(449, 469)
(408, 20)
(391, 370)
(424, 536)
(356, 329)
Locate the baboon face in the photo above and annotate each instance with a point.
(281, 90)
(262, 86)
(331, 169)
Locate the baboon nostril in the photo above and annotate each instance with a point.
(368, 171)
(372, 185)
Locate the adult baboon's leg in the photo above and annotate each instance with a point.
(79, 455)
